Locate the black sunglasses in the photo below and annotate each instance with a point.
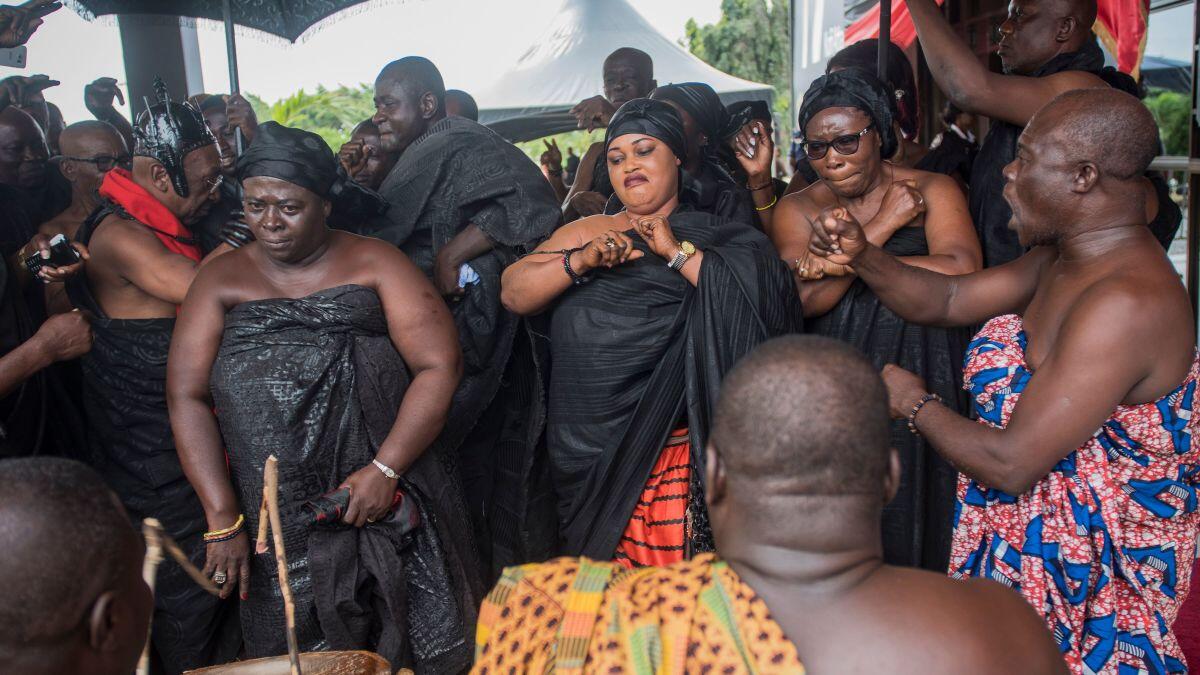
(104, 163)
(845, 145)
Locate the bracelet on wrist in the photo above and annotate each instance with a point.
(576, 279)
(225, 534)
(774, 199)
(912, 415)
(764, 186)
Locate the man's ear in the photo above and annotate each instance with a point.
(103, 635)
(429, 105)
(68, 169)
(160, 177)
(1085, 178)
(714, 477)
(653, 85)
(891, 481)
(1066, 28)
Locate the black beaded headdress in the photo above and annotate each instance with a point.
(168, 131)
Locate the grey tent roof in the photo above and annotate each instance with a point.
(562, 67)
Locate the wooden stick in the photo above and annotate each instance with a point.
(151, 529)
(260, 543)
(271, 497)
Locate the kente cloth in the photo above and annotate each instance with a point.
(657, 531)
(1103, 545)
(917, 522)
(119, 188)
(574, 615)
(130, 443)
(638, 349)
(853, 88)
(951, 155)
(991, 212)
(317, 382)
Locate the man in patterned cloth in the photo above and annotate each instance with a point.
(797, 473)
(1078, 490)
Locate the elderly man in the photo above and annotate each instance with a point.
(1046, 48)
(90, 150)
(628, 74)
(332, 352)
(464, 203)
(1078, 488)
(80, 605)
(797, 472)
(31, 192)
(142, 263)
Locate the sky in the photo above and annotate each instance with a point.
(471, 41)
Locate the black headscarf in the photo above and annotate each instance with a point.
(702, 103)
(853, 88)
(652, 118)
(293, 155)
(743, 113)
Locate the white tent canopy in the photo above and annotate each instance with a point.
(563, 66)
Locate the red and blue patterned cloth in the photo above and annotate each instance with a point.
(1103, 545)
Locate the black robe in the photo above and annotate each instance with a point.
(953, 156)
(317, 382)
(991, 212)
(917, 523)
(460, 173)
(637, 349)
(131, 445)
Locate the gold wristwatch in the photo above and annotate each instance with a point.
(686, 250)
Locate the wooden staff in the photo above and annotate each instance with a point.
(271, 498)
(260, 543)
(157, 540)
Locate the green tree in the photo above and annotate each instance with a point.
(330, 113)
(751, 40)
(1170, 109)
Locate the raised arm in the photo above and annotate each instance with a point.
(194, 346)
(971, 86)
(922, 296)
(1065, 401)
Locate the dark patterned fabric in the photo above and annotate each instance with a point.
(916, 524)
(639, 348)
(131, 445)
(288, 19)
(293, 155)
(317, 382)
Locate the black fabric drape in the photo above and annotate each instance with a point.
(317, 382)
(991, 212)
(953, 156)
(130, 443)
(917, 524)
(637, 349)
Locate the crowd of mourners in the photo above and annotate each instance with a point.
(921, 409)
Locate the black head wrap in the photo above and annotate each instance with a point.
(652, 118)
(702, 103)
(853, 88)
(745, 112)
(293, 155)
(167, 132)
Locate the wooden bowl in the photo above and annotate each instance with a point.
(313, 663)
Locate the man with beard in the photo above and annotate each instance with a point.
(1046, 48)
(463, 204)
(628, 74)
(143, 261)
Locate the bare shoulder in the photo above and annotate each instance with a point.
(1069, 80)
(121, 239)
(809, 201)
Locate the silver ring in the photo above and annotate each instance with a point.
(610, 242)
(219, 578)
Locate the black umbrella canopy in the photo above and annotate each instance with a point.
(287, 19)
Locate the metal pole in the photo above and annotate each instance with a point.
(231, 53)
(885, 37)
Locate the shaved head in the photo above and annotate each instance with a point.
(803, 415)
(1101, 126)
(638, 58)
(628, 74)
(417, 76)
(85, 139)
(461, 104)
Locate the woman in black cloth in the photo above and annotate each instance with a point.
(847, 120)
(648, 308)
(334, 353)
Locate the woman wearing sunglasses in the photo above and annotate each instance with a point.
(847, 121)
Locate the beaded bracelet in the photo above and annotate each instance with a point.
(226, 533)
(224, 537)
(912, 415)
(575, 278)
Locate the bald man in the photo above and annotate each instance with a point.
(628, 74)
(90, 149)
(1079, 487)
(1046, 48)
(464, 203)
(797, 472)
(77, 603)
(461, 104)
(31, 191)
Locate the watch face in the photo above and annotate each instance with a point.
(687, 247)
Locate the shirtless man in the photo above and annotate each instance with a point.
(1099, 440)
(141, 266)
(90, 150)
(628, 74)
(797, 472)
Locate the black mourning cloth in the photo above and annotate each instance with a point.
(853, 88)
